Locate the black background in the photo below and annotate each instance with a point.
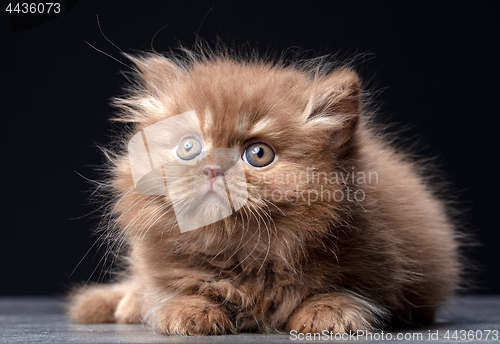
(434, 66)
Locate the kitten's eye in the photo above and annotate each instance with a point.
(189, 148)
(259, 155)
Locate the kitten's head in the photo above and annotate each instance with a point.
(223, 148)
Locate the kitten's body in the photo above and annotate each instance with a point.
(276, 265)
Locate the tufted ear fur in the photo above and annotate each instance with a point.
(155, 71)
(154, 77)
(336, 105)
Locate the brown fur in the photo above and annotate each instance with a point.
(275, 265)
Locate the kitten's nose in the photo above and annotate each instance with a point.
(212, 173)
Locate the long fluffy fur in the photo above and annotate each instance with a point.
(275, 265)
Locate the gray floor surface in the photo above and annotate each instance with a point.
(41, 320)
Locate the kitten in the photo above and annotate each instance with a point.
(256, 196)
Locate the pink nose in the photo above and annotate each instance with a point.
(212, 173)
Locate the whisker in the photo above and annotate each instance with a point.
(108, 55)
(102, 33)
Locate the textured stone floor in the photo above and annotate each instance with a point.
(41, 320)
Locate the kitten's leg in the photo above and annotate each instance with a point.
(128, 310)
(95, 304)
(337, 312)
(190, 315)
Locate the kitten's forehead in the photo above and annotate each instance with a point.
(236, 103)
(233, 126)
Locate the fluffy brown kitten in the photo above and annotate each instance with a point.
(330, 227)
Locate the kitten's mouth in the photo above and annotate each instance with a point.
(213, 188)
(214, 177)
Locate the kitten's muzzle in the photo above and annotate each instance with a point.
(212, 172)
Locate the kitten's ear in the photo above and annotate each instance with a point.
(336, 106)
(156, 71)
(154, 76)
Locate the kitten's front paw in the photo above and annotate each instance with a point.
(195, 316)
(225, 292)
(338, 313)
(96, 304)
